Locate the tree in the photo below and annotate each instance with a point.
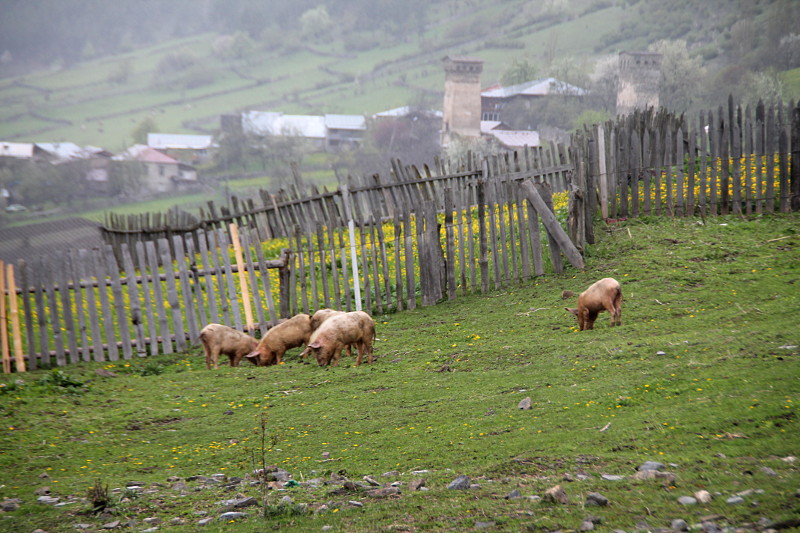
(125, 177)
(520, 71)
(315, 24)
(147, 125)
(681, 75)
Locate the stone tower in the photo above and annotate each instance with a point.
(462, 98)
(639, 79)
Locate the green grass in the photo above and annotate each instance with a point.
(719, 300)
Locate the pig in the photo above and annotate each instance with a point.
(320, 316)
(286, 335)
(218, 339)
(603, 294)
(354, 328)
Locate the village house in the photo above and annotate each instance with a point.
(162, 173)
(324, 132)
(496, 99)
(193, 149)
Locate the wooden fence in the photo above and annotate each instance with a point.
(472, 230)
(732, 160)
(275, 214)
(82, 306)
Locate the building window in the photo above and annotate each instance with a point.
(491, 116)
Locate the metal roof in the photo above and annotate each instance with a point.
(515, 138)
(542, 87)
(145, 154)
(178, 141)
(63, 150)
(346, 122)
(406, 110)
(272, 123)
(9, 149)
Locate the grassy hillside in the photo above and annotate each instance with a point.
(101, 101)
(702, 377)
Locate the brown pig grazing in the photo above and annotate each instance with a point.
(321, 315)
(354, 328)
(604, 294)
(218, 339)
(286, 335)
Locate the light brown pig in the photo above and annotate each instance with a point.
(355, 328)
(320, 316)
(218, 339)
(604, 294)
(286, 335)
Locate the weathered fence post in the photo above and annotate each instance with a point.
(795, 171)
(285, 279)
(550, 222)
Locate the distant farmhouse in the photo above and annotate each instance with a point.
(194, 149)
(326, 132)
(162, 172)
(497, 99)
(470, 111)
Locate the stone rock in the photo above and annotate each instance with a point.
(524, 404)
(734, 500)
(327, 528)
(661, 353)
(205, 521)
(462, 482)
(111, 525)
(152, 521)
(556, 494)
(371, 481)
(514, 495)
(232, 515)
(768, 471)
(484, 525)
(651, 465)
(287, 500)
(416, 484)
(393, 473)
(595, 498)
(44, 475)
(180, 486)
(355, 503)
(238, 503)
(679, 525)
(384, 493)
(103, 373)
(687, 500)
(612, 477)
(587, 525)
(11, 504)
(42, 491)
(703, 496)
(177, 521)
(83, 526)
(47, 500)
(173, 479)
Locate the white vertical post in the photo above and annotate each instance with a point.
(603, 178)
(351, 227)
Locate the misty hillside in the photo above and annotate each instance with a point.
(92, 71)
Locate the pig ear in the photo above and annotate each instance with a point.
(314, 345)
(572, 310)
(251, 355)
